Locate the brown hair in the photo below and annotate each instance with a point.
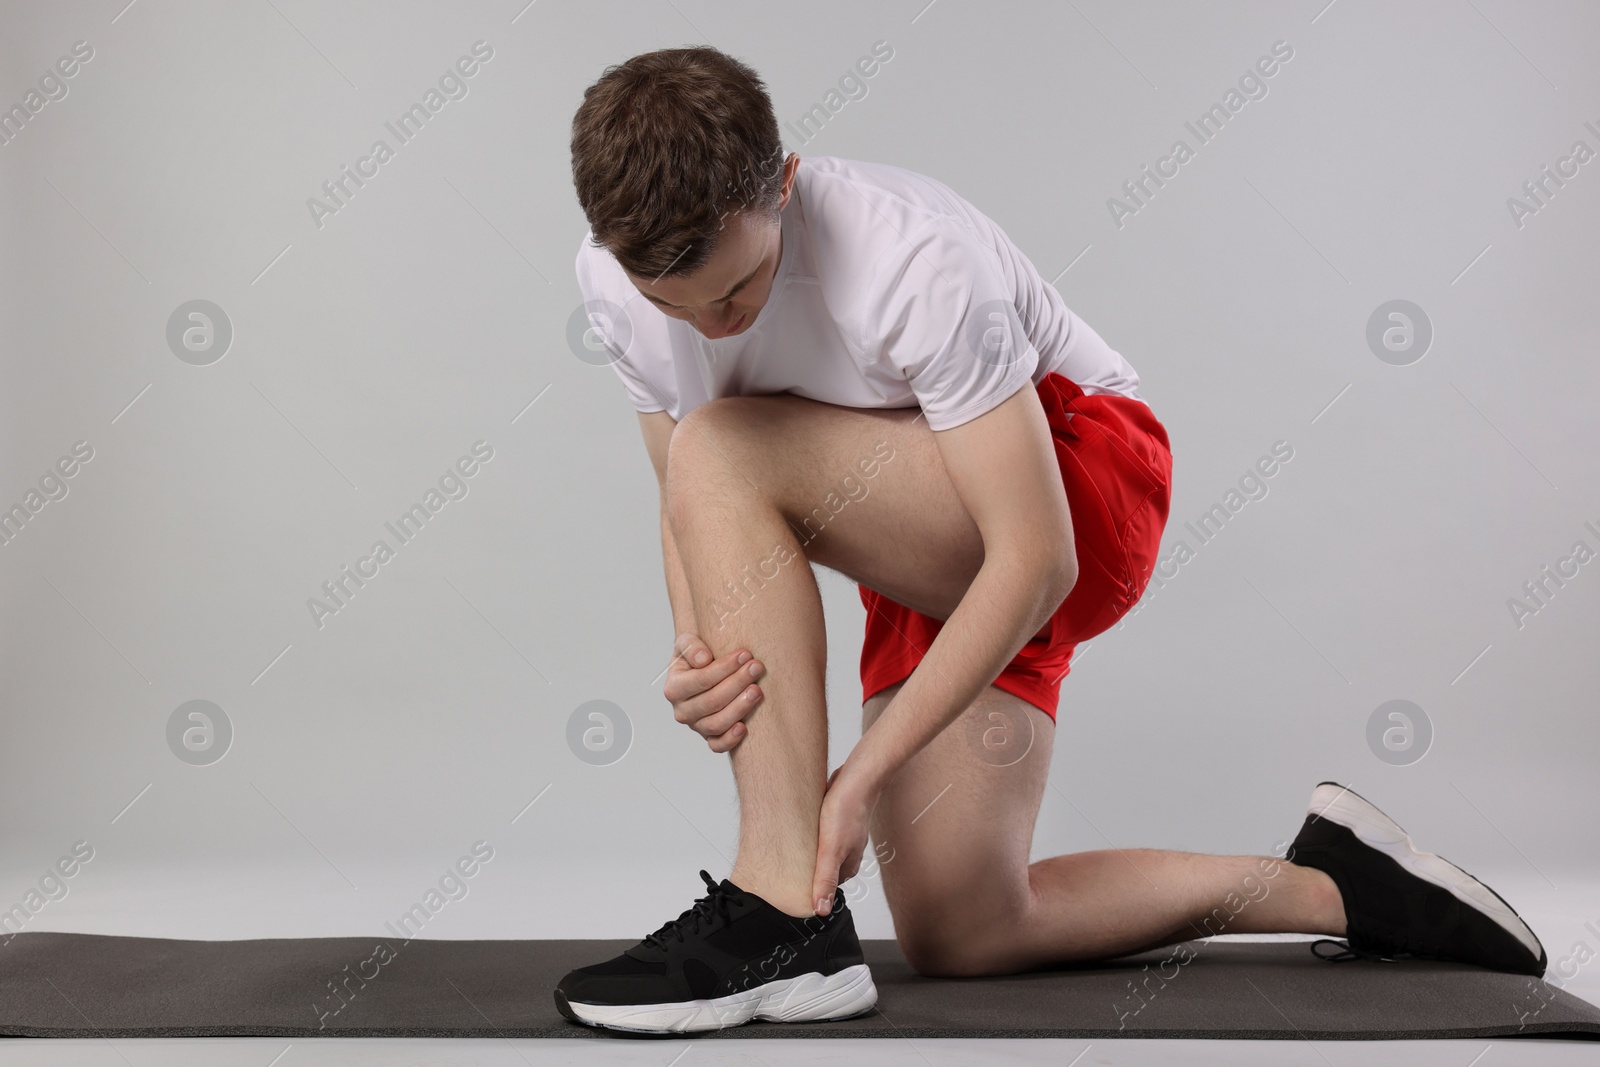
(667, 144)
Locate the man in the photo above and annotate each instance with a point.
(847, 364)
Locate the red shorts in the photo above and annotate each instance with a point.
(1116, 466)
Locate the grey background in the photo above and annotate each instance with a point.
(430, 313)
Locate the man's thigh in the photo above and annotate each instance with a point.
(865, 491)
(953, 831)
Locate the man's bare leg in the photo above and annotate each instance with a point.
(753, 588)
(966, 901)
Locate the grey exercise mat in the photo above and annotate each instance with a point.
(92, 985)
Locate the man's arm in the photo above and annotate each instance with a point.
(677, 585)
(657, 427)
(1003, 467)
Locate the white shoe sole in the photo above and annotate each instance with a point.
(805, 998)
(1372, 827)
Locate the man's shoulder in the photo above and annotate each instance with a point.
(601, 277)
(613, 313)
(878, 195)
(593, 262)
(873, 222)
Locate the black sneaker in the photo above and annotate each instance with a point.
(729, 959)
(1401, 901)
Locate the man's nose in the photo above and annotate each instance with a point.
(715, 326)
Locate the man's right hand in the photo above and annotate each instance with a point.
(711, 696)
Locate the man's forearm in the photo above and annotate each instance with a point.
(678, 595)
(1009, 601)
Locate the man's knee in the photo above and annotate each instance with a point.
(704, 458)
(725, 419)
(949, 938)
(953, 953)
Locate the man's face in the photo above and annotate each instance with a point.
(725, 295)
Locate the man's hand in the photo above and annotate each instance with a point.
(712, 697)
(841, 833)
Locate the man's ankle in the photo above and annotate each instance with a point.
(791, 900)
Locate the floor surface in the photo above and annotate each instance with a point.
(236, 902)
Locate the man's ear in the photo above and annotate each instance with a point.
(791, 166)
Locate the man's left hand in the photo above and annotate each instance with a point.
(841, 833)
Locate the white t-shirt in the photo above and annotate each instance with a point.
(891, 291)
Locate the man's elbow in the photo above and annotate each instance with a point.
(1060, 578)
(1051, 574)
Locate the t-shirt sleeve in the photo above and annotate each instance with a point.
(644, 398)
(941, 316)
(609, 327)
